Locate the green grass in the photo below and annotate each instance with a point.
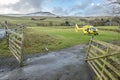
(107, 27)
(4, 51)
(39, 38)
(30, 23)
(54, 37)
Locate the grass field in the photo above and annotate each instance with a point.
(30, 23)
(107, 27)
(39, 38)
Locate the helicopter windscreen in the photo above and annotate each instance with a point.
(93, 29)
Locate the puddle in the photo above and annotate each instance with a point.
(2, 33)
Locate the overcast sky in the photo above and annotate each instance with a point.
(58, 7)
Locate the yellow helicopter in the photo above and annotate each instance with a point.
(87, 29)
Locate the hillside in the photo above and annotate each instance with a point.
(31, 14)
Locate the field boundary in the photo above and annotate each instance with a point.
(103, 59)
(115, 30)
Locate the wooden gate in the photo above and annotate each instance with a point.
(15, 41)
(104, 58)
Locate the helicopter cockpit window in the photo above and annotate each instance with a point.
(93, 29)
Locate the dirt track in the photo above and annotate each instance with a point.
(66, 64)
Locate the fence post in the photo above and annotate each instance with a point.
(7, 34)
(90, 42)
(22, 47)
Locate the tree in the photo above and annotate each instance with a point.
(116, 6)
(50, 23)
(67, 23)
(115, 1)
(116, 10)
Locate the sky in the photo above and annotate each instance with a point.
(58, 7)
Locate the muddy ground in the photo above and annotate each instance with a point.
(65, 64)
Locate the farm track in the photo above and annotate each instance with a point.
(65, 64)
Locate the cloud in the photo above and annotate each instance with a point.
(79, 8)
(91, 9)
(82, 5)
(6, 2)
(76, 7)
(95, 10)
(28, 5)
(85, 8)
(60, 11)
(4, 6)
(25, 6)
(79, 13)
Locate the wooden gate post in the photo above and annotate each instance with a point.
(89, 47)
(7, 34)
(22, 47)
